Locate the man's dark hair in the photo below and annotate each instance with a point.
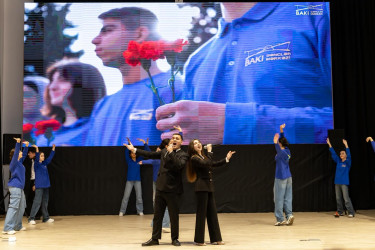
(32, 150)
(133, 18)
(284, 142)
(164, 143)
(182, 138)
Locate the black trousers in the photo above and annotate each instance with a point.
(29, 194)
(206, 208)
(162, 200)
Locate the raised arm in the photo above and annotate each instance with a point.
(50, 157)
(282, 126)
(37, 155)
(16, 153)
(333, 153)
(25, 150)
(348, 155)
(276, 142)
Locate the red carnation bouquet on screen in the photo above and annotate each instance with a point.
(27, 129)
(143, 53)
(46, 127)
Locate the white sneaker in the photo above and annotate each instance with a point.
(32, 222)
(50, 220)
(23, 229)
(141, 214)
(281, 223)
(121, 214)
(166, 230)
(9, 232)
(350, 215)
(290, 220)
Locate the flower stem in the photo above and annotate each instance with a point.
(171, 83)
(154, 89)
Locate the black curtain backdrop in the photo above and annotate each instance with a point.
(91, 180)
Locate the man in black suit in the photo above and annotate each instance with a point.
(168, 186)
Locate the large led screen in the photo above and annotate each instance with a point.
(225, 73)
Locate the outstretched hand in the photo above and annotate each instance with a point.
(53, 147)
(178, 128)
(282, 126)
(18, 140)
(329, 143)
(230, 153)
(369, 139)
(129, 146)
(26, 143)
(345, 143)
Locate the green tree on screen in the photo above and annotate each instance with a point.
(44, 38)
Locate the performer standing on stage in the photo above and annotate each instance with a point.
(16, 184)
(133, 179)
(42, 185)
(199, 169)
(372, 142)
(343, 166)
(155, 171)
(168, 186)
(282, 188)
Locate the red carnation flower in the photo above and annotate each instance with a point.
(131, 55)
(42, 126)
(151, 50)
(27, 127)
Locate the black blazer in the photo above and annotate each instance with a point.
(203, 168)
(170, 171)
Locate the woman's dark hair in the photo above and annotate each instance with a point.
(164, 143)
(284, 142)
(190, 171)
(11, 154)
(87, 88)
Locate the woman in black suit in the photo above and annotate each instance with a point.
(199, 170)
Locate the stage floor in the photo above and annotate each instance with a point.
(239, 231)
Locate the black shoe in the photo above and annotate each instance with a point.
(150, 242)
(176, 243)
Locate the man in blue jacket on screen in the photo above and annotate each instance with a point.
(269, 63)
(131, 111)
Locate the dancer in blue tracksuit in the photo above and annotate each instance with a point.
(42, 185)
(343, 165)
(283, 195)
(133, 179)
(13, 219)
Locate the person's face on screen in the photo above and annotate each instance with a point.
(176, 141)
(58, 89)
(112, 40)
(30, 100)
